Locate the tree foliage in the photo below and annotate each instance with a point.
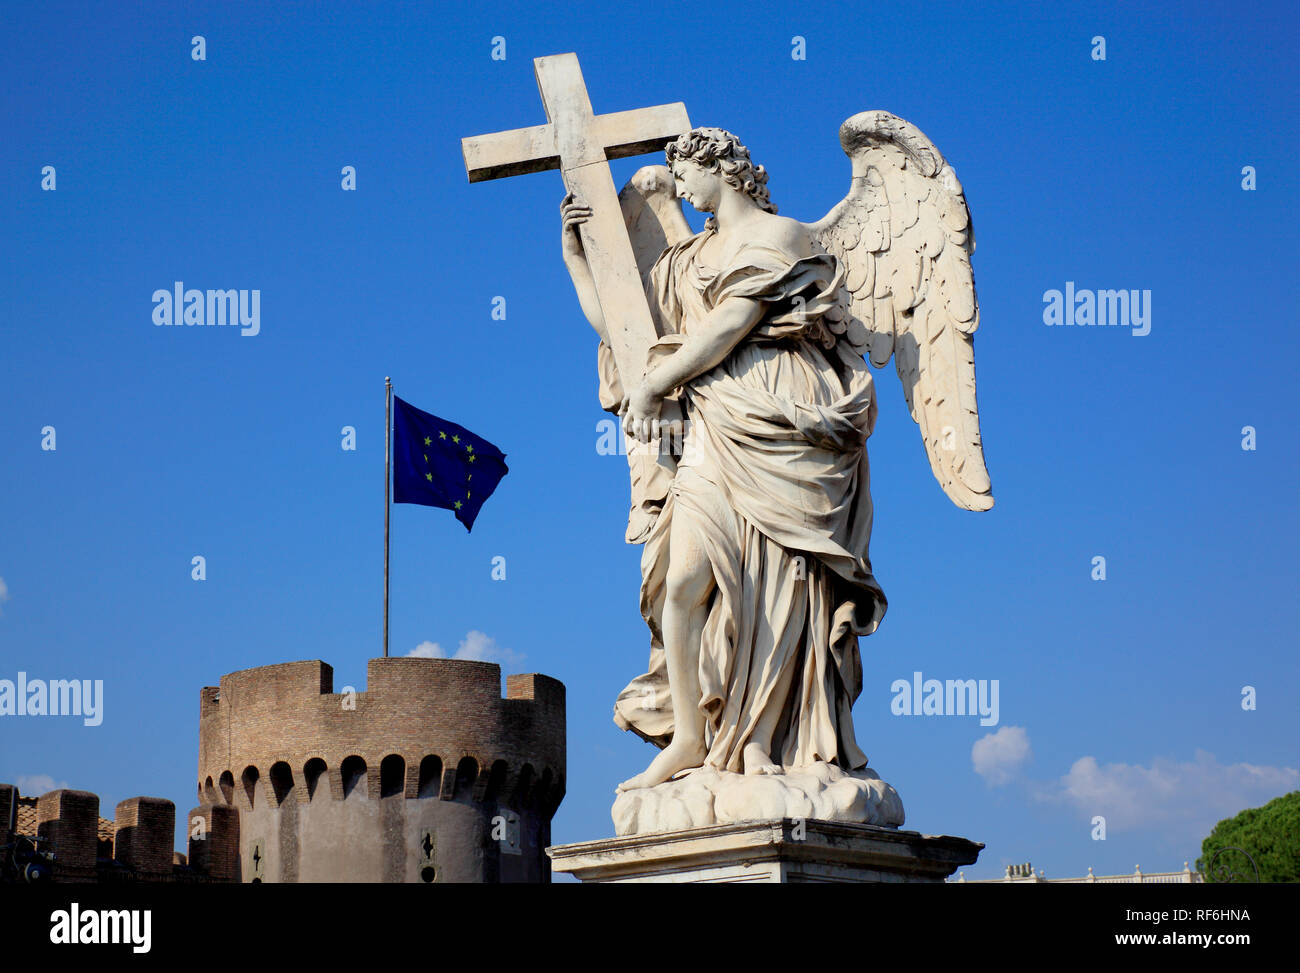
(1269, 834)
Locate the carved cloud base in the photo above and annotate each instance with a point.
(707, 797)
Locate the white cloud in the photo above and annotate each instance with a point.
(1189, 797)
(999, 756)
(34, 785)
(476, 646)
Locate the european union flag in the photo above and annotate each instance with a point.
(440, 464)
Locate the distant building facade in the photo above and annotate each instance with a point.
(1025, 873)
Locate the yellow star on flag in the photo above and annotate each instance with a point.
(456, 440)
(442, 435)
(457, 504)
(428, 441)
(429, 477)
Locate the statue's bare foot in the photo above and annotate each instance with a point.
(758, 761)
(673, 759)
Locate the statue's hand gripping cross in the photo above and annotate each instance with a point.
(580, 143)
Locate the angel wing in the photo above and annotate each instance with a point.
(904, 234)
(653, 215)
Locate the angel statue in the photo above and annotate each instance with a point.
(756, 581)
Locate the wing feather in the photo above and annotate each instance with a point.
(904, 233)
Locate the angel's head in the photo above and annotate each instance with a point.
(706, 162)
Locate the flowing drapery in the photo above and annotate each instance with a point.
(773, 481)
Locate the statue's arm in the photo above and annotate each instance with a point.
(706, 346)
(575, 260)
(709, 342)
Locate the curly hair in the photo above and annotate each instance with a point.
(717, 150)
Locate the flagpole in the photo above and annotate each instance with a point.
(388, 481)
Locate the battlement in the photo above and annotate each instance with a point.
(136, 846)
(428, 775)
(423, 727)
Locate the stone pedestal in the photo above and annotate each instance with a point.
(779, 850)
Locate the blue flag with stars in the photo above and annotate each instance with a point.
(440, 464)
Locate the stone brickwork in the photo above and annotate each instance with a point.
(69, 821)
(8, 812)
(428, 775)
(144, 834)
(87, 848)
(214, 841)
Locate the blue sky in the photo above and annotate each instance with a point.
(176, 442)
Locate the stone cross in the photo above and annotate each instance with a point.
(579, 143)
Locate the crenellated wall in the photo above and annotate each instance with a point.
(136, 847)
(428, 775)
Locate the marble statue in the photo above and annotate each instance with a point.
(756, 581)
(752, 404)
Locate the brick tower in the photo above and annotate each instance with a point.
(427, 776)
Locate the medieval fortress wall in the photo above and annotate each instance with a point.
(136, 846)
(428, 775)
